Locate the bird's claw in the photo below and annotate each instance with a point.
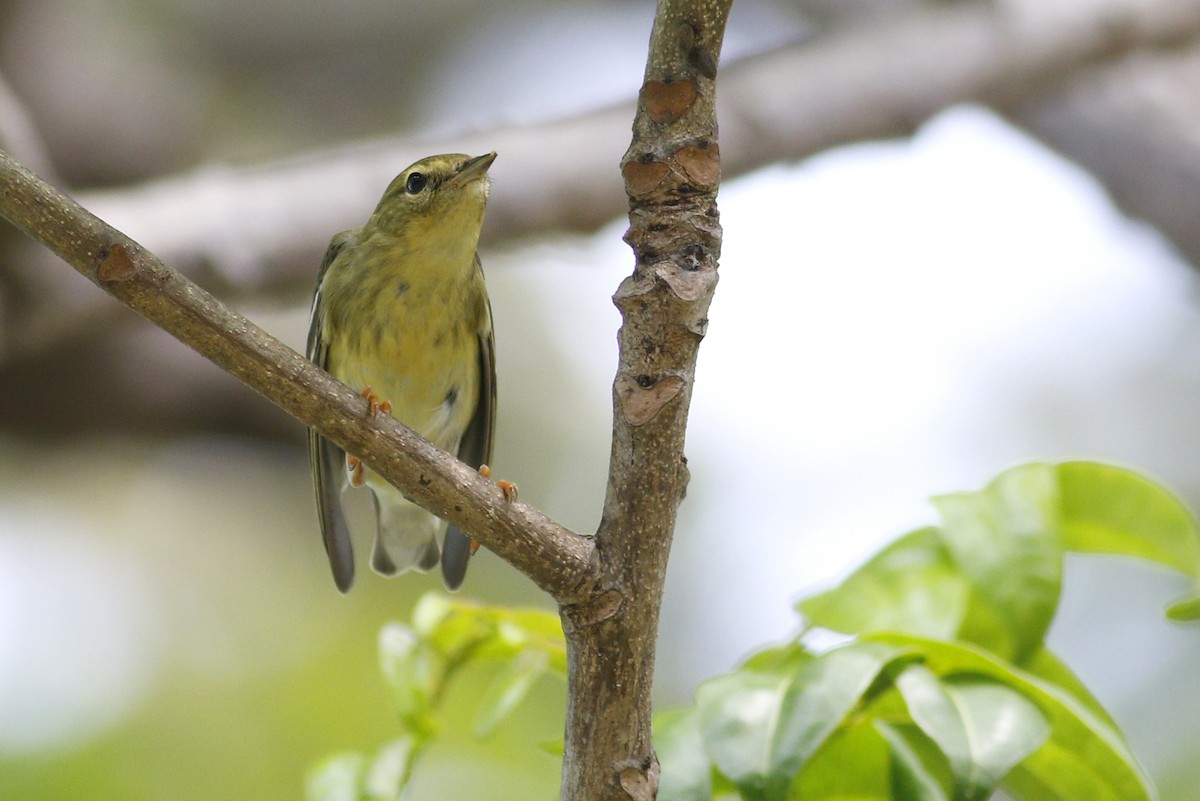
(374, 404)
(508, 488)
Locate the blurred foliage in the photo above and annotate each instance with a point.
(941, 688)
(226, 661)
(419, 661)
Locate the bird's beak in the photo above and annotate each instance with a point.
(473, 169)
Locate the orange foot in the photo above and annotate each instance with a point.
(507, 487)
(354, 466)
(374, 404)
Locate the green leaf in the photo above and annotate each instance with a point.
(541, 630)
(431, 611)
(738, 717)
(1049, 668)
(413, 675)
(933, 710)
(1084, 757)
(992, 574)
(760, 728)
(983, 727)
(336, 778)
(686, 774)
(508, 689)
(459, 631)
(851, 765)
(446, 635)
(1108, 509)
(1003, 728)
(914, 763)
(911, 585)
(1005, 539)
(780, 659)
(1186, 608)
(388, 773)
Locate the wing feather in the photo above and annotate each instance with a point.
(475, 448)
(326, 459)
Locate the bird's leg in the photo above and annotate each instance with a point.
(354, 467)
(507, 488)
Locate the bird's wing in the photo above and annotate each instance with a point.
(326, 459)
(475, 448)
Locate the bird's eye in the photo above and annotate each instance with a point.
(415, 183)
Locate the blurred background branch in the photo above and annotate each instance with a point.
(19, 135)
(257, 232)
(1085, 76)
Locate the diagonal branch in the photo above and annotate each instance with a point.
(558, 560)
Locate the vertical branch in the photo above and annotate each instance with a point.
(671, 171)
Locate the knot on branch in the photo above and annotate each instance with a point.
(639, 779)
(694, 168)
(114, 265)
(667, 101)
(600, 607)
(643, 397)
(688, 283)
(691, 279)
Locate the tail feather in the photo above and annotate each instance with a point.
(407, 537)
(456, 552)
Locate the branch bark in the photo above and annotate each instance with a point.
(558, 560)
(671, 171)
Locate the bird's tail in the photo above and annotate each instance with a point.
(407, 537)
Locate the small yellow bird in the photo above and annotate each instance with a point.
(401, 313)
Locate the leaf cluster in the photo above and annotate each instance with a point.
(942, 688)
(445, 637)
(939, 688)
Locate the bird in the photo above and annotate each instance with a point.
(401, 314)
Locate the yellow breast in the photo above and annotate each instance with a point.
(407, 322)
